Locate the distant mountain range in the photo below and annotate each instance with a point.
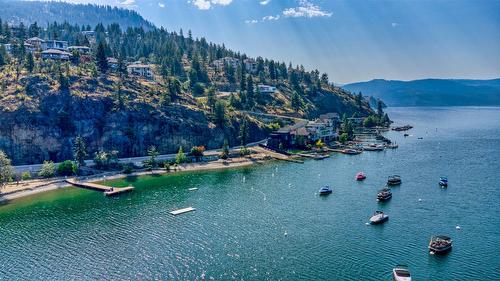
(431, 92)
(42, 12)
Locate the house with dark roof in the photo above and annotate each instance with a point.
(55, 55)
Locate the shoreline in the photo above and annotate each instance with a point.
(32, 188)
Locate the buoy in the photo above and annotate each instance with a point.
(273, 174)
(419, 200)
(286, 233)
(457, 227)
(289, 184)
(243, 179)
(367, 223)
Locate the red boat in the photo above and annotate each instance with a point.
(360, 176)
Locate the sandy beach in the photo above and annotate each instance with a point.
(27, 188)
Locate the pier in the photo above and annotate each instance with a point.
(107, 190)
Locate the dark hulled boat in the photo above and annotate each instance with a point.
(440, 244)
(394, 180)
(384, 194)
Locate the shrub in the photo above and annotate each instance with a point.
(67, 168)
(48, 169)
(197, 151)
(128, 168)
(25, 176)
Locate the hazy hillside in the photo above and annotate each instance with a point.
(431, 92)
(28, 12)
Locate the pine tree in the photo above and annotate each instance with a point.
(79, 150)
(211, 99)
(29, 62)
(101, 59)
(250, 92)
(244, 132)
(220, 113)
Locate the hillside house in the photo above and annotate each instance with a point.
(55, 55)
(55, 45)
(332, 119)
(265, 89)
(82, 50)
(36, 42)
(250, 65)
(113, 63)
(143, 70)
(221, 63)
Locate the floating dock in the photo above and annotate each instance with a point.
(182, 211)
(107, 190)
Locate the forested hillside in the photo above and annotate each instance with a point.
(43, 12)
(46, 103)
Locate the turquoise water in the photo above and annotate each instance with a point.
(250, 224)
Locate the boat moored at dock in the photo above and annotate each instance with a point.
(394, 180)
(401, 273)
(351, 151)
(440, 244)
(374, 147)
(378, 217)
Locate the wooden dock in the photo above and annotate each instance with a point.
(107, 190)
(182, 211)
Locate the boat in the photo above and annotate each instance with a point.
(394, 180)
(402, 128)
(443, 181)
(391, 145)
(350, 151)
(360, 176)
(406, 135)
(440, 244)
(373, 147)
(378, 217)
(325, 190)
(401, 273)
(384, 194)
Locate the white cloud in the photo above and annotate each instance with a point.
(306, 9)
(251, 22)
(270, 18)
(207, 4)
(127, 2)
(265, 2)
(161, 5)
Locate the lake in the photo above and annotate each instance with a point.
(267, 222)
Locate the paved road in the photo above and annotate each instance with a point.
(136, 160)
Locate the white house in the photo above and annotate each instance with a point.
(55, 54)
(266, 89)
(55, 44)
(320, 130)
(143, 70)
(250, 65)
(221, 63)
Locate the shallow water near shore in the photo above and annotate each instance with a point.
(266, 222)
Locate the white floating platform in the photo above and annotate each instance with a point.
(182, 211)
(193, 189)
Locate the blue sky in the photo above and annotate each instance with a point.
(351, 40)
